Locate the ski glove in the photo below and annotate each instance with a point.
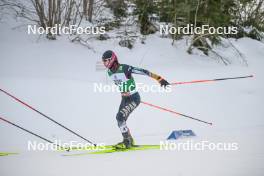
(164, 83)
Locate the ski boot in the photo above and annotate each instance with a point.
(126, 143)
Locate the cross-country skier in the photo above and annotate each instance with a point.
(122, 76)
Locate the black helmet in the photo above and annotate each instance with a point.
(107, 54)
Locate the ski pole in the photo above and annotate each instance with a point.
(174, 112)
(34, 134)
(211, 80)
(44, 115)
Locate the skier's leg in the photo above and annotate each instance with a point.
(128, 104)
(121, 122)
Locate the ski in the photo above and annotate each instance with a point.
(113, 149)
(134, 148)
(91, 148)
(7, 153)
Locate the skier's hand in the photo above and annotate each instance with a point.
(164, 83)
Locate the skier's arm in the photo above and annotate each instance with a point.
(142, 71)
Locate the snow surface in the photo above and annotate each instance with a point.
(57, 78)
